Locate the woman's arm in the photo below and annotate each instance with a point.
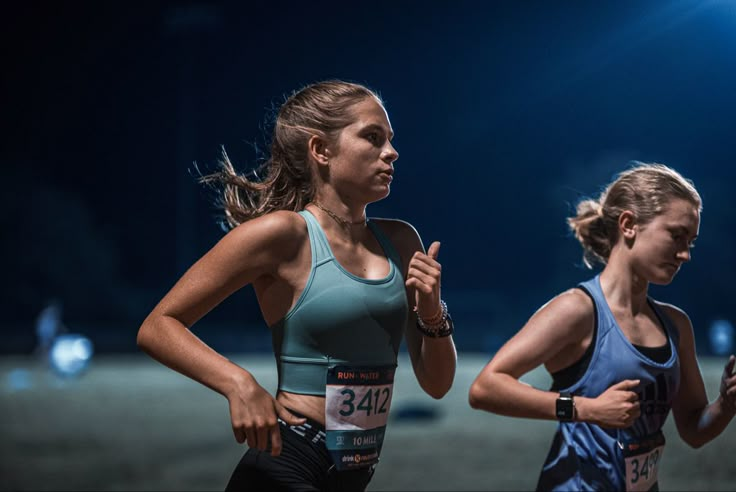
(433, 359)
(251, 251)
(697, 421)
(557, 335)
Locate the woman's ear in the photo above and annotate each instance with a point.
(318, 150)
(627, 224)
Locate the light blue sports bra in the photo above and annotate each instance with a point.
(339, 319)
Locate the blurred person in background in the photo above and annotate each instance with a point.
(49, 325)
(338, 290)
(619, 360)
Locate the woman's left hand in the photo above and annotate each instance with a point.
(728, 383)
(424, 276)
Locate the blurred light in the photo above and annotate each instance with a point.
(19, 380)
(721, 337)
(70, 354)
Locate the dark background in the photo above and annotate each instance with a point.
(505, 114)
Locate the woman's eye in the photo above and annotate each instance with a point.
(677, 237)
(372, 137)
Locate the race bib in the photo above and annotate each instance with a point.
(642, 458)
(357, 404)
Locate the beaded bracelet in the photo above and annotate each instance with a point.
(446, 329)
(443, 327)
(437, 318)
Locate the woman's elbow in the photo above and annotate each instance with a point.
(693, 440)
(436, 394)
(144, 337)
(477, 396)
(437, 391)
(696, 444)
(692, 427)
(141, 340)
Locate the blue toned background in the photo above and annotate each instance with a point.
(505, 114)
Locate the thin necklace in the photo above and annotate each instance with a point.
(342, 222)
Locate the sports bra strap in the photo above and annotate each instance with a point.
(320, 247)
(385, 243)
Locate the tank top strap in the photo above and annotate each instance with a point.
(672, 331)
(386, 244)
(318, 241)
(593, 287)
(605, 318)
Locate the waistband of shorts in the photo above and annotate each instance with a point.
(310, 430)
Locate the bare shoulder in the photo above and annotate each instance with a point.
(674, 312)
(572, 313)
(281, 232)
(573, 303)
(677, 316)
(402, 235)
(281, 224)
(397, 229)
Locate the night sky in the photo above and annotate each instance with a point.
(505, 114)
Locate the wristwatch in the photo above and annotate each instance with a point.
(565, 408)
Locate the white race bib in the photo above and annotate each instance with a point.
(642, 460)
(357, 404)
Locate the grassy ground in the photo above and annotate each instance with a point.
(131, 424)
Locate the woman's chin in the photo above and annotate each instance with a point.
(380, 194)
(663, 279)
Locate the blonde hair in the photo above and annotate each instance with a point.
(645, 189)
(322, 108)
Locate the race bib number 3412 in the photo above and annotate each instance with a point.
(357, 404)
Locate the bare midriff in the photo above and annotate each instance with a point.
(308, 405)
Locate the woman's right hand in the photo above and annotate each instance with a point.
(254, 413)
(617, 407)
(728, 383)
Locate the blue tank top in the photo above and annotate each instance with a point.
(340, 318)
(584, 456)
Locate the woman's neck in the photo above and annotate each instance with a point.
(344, 226)
(341, 215)
(623, 288)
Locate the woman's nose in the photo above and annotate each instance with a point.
(684, 254)
(390, 154)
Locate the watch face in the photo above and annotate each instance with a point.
(565, 408)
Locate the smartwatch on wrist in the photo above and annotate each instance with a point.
(565, 407)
